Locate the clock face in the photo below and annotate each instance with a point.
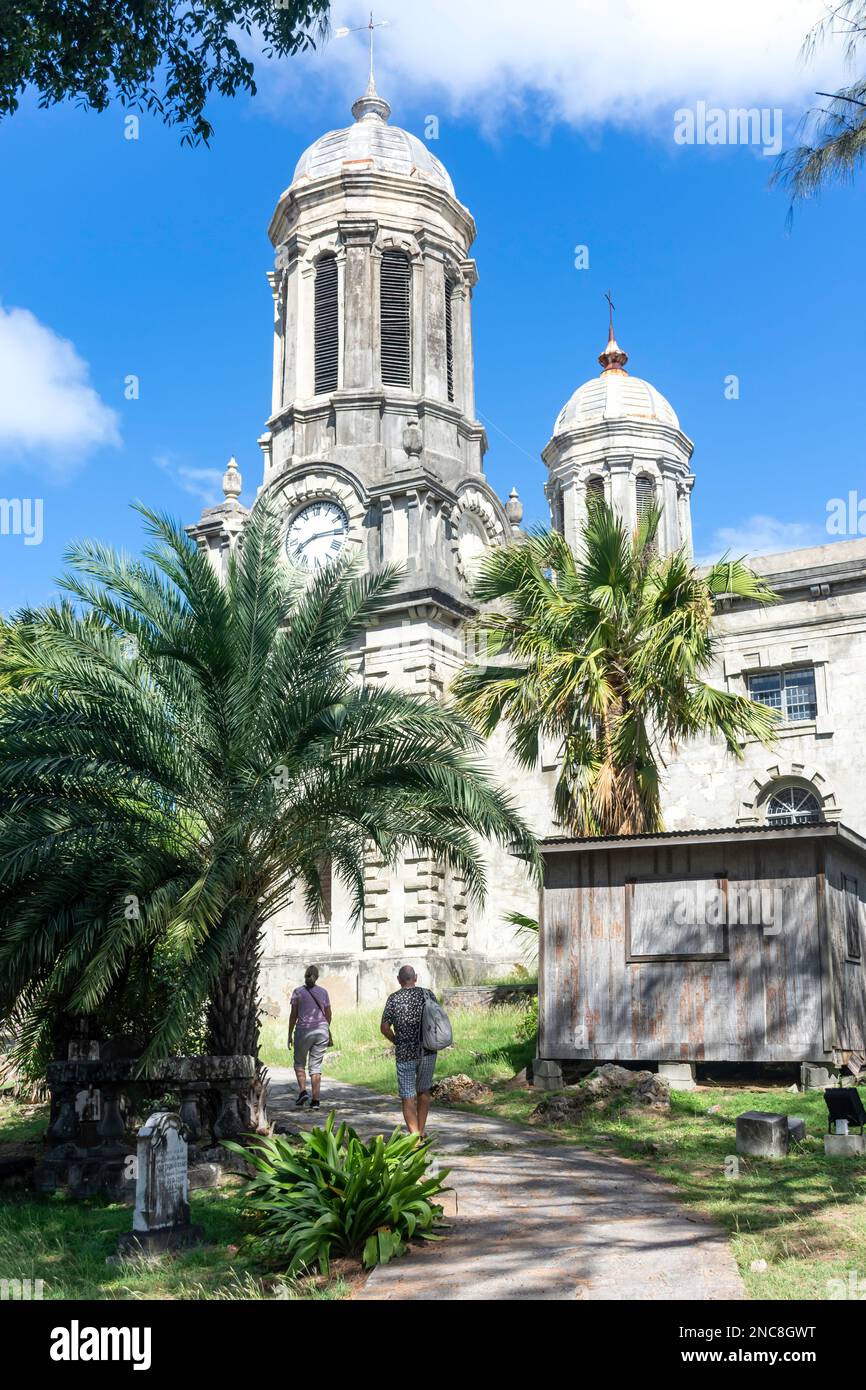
(317, 535)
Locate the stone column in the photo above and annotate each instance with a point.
(622, 496)
(289, 382)
(459, 313)
(684, 488)
(277, 282)
(435, 366)
(358, 310)
(464, 346)
(669, 530)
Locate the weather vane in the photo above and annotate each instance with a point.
(343, 32)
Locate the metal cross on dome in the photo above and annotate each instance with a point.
(611, 306)
(344, 31)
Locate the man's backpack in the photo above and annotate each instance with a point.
(436, 1031)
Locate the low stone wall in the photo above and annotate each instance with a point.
(486, 996)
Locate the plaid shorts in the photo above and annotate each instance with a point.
(415, 1075)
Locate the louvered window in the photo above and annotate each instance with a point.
(395, 320)
(645, 489)
(594, 492)
(327, 329)
(449, 337)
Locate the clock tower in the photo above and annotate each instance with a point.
(373, 447)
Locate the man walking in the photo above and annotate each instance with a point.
(401, 1025)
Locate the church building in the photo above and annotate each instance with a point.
(373, 447)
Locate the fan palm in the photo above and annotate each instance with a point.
(604, 653)
(183, 755)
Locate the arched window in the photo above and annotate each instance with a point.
(793, 806)
(327, 327)
(395, 319)
(645, 493)
(449, 337)
(594, 492)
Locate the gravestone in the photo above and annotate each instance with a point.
(814, 1076)
(796, 1129)
(845, 1145)
(161, 1219)
(762, 1134)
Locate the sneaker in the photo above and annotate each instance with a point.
(315, 1104)
(302, 1099)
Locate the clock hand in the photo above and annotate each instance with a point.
(319, 535)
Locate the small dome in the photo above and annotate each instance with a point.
(615, 395)
(371, 142)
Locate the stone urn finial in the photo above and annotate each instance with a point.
(514, 509)
(413, 439)
(232, 481)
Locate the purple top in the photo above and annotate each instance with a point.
(311, 1010)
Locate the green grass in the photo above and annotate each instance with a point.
(806, 1215)
(485, 1047)
(67, 1243)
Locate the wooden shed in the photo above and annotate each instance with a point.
(739, 945)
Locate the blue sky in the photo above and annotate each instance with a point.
(150, 260)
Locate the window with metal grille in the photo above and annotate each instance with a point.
(793, 806)
(449, 337)
(791, 692)
(852, 917)
(645, 493)
(394, 309)
(327, 327)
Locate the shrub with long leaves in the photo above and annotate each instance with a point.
(605, 652)
(180, 753)
(333, 1195)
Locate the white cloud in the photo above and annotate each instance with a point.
(586, 62)
(763, 535)
(47, 405)
(203, 483)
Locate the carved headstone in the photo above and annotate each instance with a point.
(161, 1218)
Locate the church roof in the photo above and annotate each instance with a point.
(613, 395)
(371, 143)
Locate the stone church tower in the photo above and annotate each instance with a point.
(373, 446)
(618, 437)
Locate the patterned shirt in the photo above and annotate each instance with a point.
(403, 1010)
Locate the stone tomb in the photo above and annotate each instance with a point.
(161, 1219)
(765, 1134)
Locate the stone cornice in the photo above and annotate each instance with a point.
(301, 198)
(642, 435)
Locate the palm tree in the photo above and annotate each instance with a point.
(836, 146)
(183, 756)
(605, 653)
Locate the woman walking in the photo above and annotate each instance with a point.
(310, 1023)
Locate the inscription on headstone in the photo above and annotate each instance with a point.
(161, 1218)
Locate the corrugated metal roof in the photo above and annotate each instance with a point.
(821, 829)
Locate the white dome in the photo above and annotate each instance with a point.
(615, 395)
(371, 143)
